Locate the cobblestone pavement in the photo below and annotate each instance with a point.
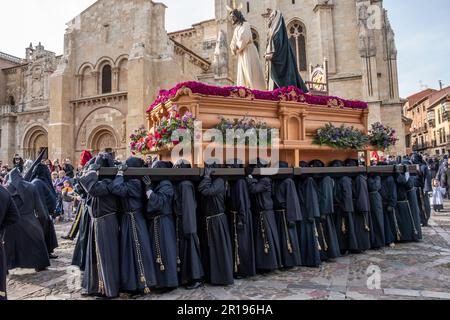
(408, 271)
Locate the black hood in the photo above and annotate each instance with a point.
(235, 164)
(162, 165)
(105, 160)
(134, 162)
(213, 164)
(337, 163)
(42, 172)
(316, 164)
(351, 163)
(182, 164)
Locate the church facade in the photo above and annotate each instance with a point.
(118, 55)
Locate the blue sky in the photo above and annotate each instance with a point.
(420, 27)
(422, 31)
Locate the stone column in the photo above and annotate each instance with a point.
(8, 138)
(61, 127)
(325, 15)
(115, 72)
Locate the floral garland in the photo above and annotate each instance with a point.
(238, 129)
(283, 94)
(382, 137)
(144, 141)
(347, 138)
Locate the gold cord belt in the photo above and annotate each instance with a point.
(177, 225)
(286, 230)
(101, 282)
(263, 232)
(237, 259)
(159, 258)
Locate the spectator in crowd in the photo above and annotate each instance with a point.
(49, 165)
(69, 169)
(56, 166)
(438, 196)
(68, 197)
(18, 162)
(59, 183)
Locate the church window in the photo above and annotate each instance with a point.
(255, 37)
(297, 38)
(11, 101)
(106, 79)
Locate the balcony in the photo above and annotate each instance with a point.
(421, 146)
(420, 130)
(7, 110)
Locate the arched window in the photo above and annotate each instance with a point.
(11, 101)
(255, 37)
(106, 79)
(297, 37)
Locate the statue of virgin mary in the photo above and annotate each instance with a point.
(250, 72)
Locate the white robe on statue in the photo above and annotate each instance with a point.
(250, 72)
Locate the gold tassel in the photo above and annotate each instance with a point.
(147, 290)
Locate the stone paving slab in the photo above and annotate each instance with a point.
(419, 271)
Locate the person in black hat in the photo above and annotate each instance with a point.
(218, 250)
(241, 223)
(191, 272)
(161, 227)
(137, 272)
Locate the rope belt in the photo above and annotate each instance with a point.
(105, 216)
(237, 259)
(208, 219)
(177, 226)
(263, 232)
(159, 258)
(286, 230)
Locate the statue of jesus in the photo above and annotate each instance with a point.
(250, 72)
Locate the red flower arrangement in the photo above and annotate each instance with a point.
(285, 94)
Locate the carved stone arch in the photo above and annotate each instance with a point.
(103, 137)
(104, 69)
(120, 58)
(297, 34)
(35, 140)
(87, 80)
(294, 127)
(91, 112)
(84, 66)
(102, 61)
(121, 74)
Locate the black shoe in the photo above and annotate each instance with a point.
(53, 256)
(194, 286)
(65, 238)
(40, 269)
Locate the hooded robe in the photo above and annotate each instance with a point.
(408, 216)
(310, 247)
(288, 213)
(361, 217)
(9, 215)
(389, 195)
(137, 272)
(42, 180)
(378, 237)
(102, 272)
(24, 241)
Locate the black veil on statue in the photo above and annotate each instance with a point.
(281, 57)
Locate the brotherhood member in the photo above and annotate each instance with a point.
(326, 224)
(407, 214)
(241, 222)
(310, 247)
(389, 195)
(218, 251)
(267, 238)
(362, 221)
(9, 215)
(137, 272)
(378, 237)
(42, 180)
(287, 214)
(24, 241)
(422, 182)
(250, 72)
(102, 270)
(191, 272)
(281, 57)
(161, 227)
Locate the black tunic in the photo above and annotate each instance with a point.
(218, 255)
(79, 254)
(24, 241)
(407, 213)
(310, 247)
(162, 235)
(241, 222)
(102, 272)
(189, 252)
(326, 224)
(423, 188)
(267, 239)
(362, 219)
(389, 195)
(288, 213)
(48, 197)
(9, 215)
(378, 237)
(137, 272)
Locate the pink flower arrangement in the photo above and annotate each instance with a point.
(289, 94)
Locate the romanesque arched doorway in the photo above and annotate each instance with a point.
(36, 140)
(103, 139)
